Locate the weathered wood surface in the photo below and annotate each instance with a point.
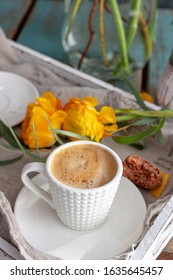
(13, 15)
(162, 49)
(42, 31)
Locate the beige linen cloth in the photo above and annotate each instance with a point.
(44, 77)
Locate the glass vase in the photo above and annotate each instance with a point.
(99, 44)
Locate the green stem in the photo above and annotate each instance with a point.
(123, 128)
(125, 118)
(70, 134)
(121, 35)
(133, 24)
(141, 113)
(73, 15)
(146, 36)
(102, 33)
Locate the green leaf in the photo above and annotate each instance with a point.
(17, 140)
(70, 134)
(10, 161)
(35, 138)
(58, 139)
(5, 132)
(35, 156)
(135, 93)
(7, 146)
(145, 121)
(159, 137)
(138, 146)
(140, 135)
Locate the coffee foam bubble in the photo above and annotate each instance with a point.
(84, 166)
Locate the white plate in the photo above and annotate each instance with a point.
(15, 94)
(42, 229)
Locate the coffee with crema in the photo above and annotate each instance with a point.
(84, 166)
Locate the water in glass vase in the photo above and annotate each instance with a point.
(94, 42)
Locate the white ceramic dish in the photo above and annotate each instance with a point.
(42, 229)
(16, 93)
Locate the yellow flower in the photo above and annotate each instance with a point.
(147, 97)
(49, 102)
(40, 118)
(84, 119)
(78, 115)
(108, 119)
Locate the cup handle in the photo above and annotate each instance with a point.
(31, 185)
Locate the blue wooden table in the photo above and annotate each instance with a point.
(37, 24)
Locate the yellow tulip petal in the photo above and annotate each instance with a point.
(93, 101)
(147, 97)
(107, 115)
(46, 105)
(56, 102)
(57, 119)
(108, 119)
(82, 119)
(26, 121)
(42, 123)
(165, 178)
(44, 139)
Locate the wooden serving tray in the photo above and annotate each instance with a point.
(158, 232)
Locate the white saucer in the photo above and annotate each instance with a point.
(43, 230)
(15, 94)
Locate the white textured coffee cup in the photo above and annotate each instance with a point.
(78, 209)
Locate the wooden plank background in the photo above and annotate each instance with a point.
(162, 48)
(13, 15)
(42, 32)
(37, 24)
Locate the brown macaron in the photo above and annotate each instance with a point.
(141, 172)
